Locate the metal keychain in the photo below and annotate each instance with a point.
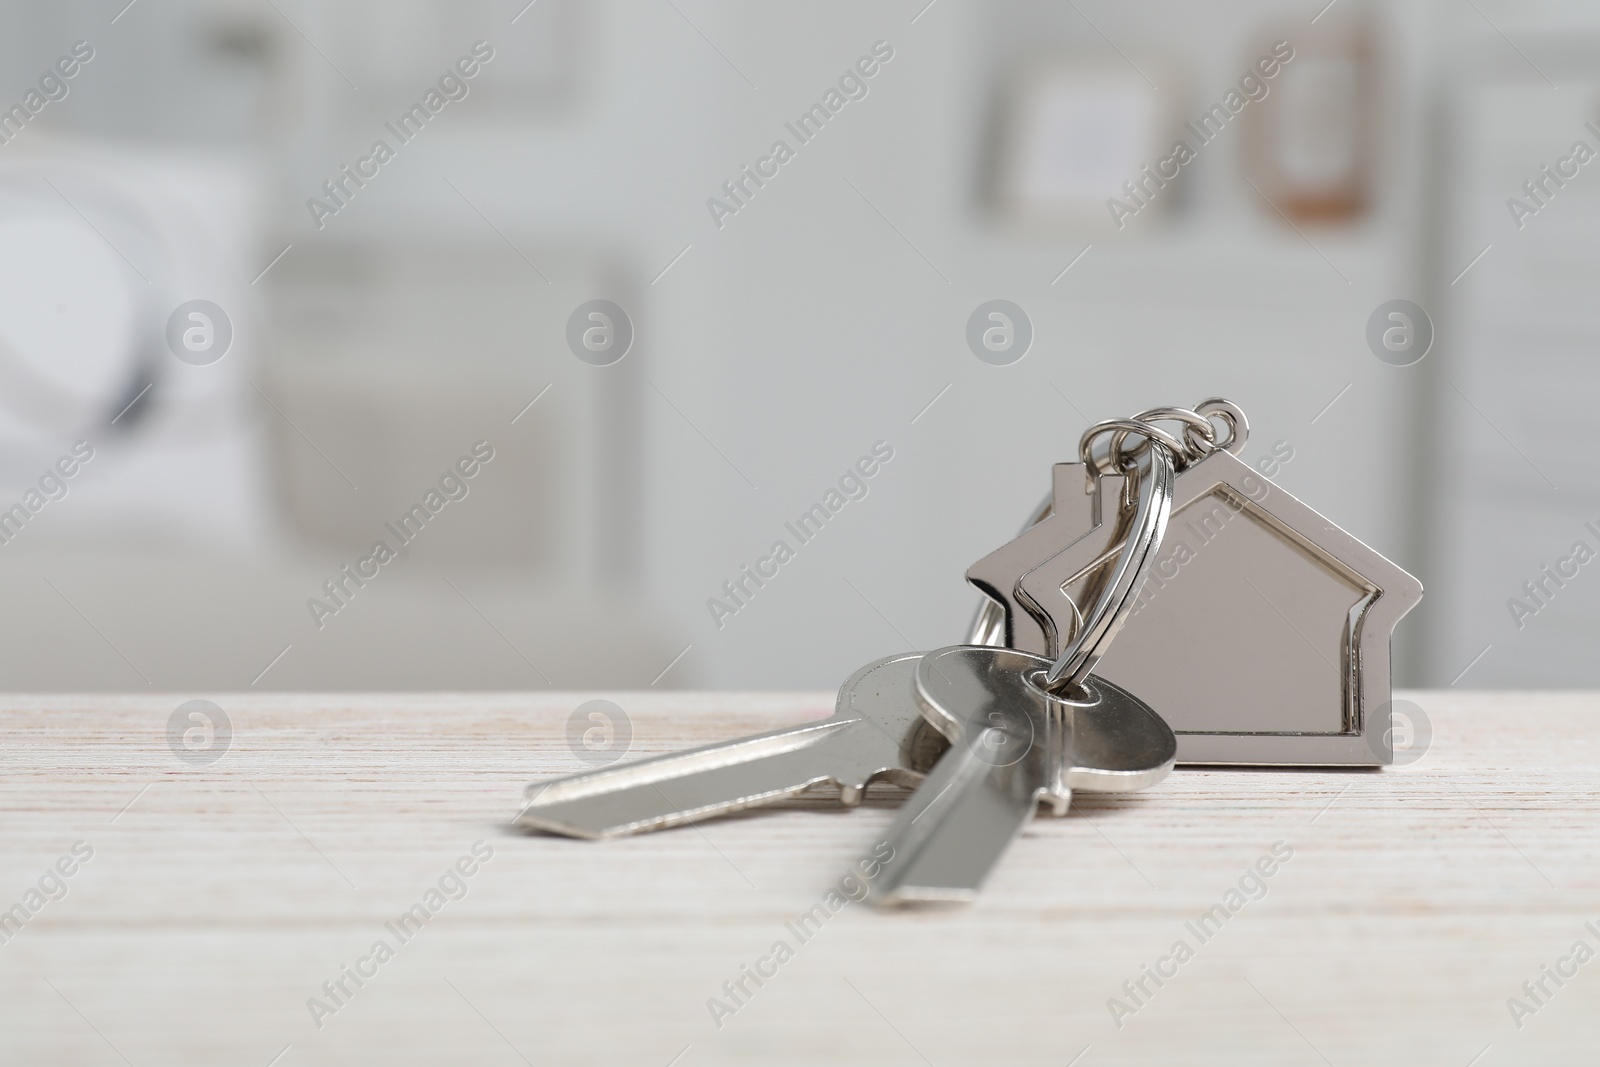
(1270, 624)
(1257, 628)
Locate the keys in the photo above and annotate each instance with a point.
(999, 730)
(874, 734)
(1013, 745)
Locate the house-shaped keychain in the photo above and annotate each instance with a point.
(1261, 633)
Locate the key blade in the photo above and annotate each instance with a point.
(870, 736)
(686, 787)
(952, 831)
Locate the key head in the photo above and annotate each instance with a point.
(1108, 739)
(883, 696)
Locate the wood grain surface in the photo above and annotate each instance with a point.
(219, 898)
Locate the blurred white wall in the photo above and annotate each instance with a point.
(775, 349)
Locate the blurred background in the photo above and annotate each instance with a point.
(273, 340)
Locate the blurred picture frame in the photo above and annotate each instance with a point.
(1311, 146)
(1071, 132)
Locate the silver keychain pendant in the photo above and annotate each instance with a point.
(1270, 624)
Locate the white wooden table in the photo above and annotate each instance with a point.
(219, 899)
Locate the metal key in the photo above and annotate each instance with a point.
(1025, 729)
(1013, 744)
(874, 735)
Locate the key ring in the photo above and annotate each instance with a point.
(1228, 412)
(1112, 462)
(988, 626)
(1154, 507)
(1195, 448)
(1199, 435)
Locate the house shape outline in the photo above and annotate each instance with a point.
(1389, 594)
